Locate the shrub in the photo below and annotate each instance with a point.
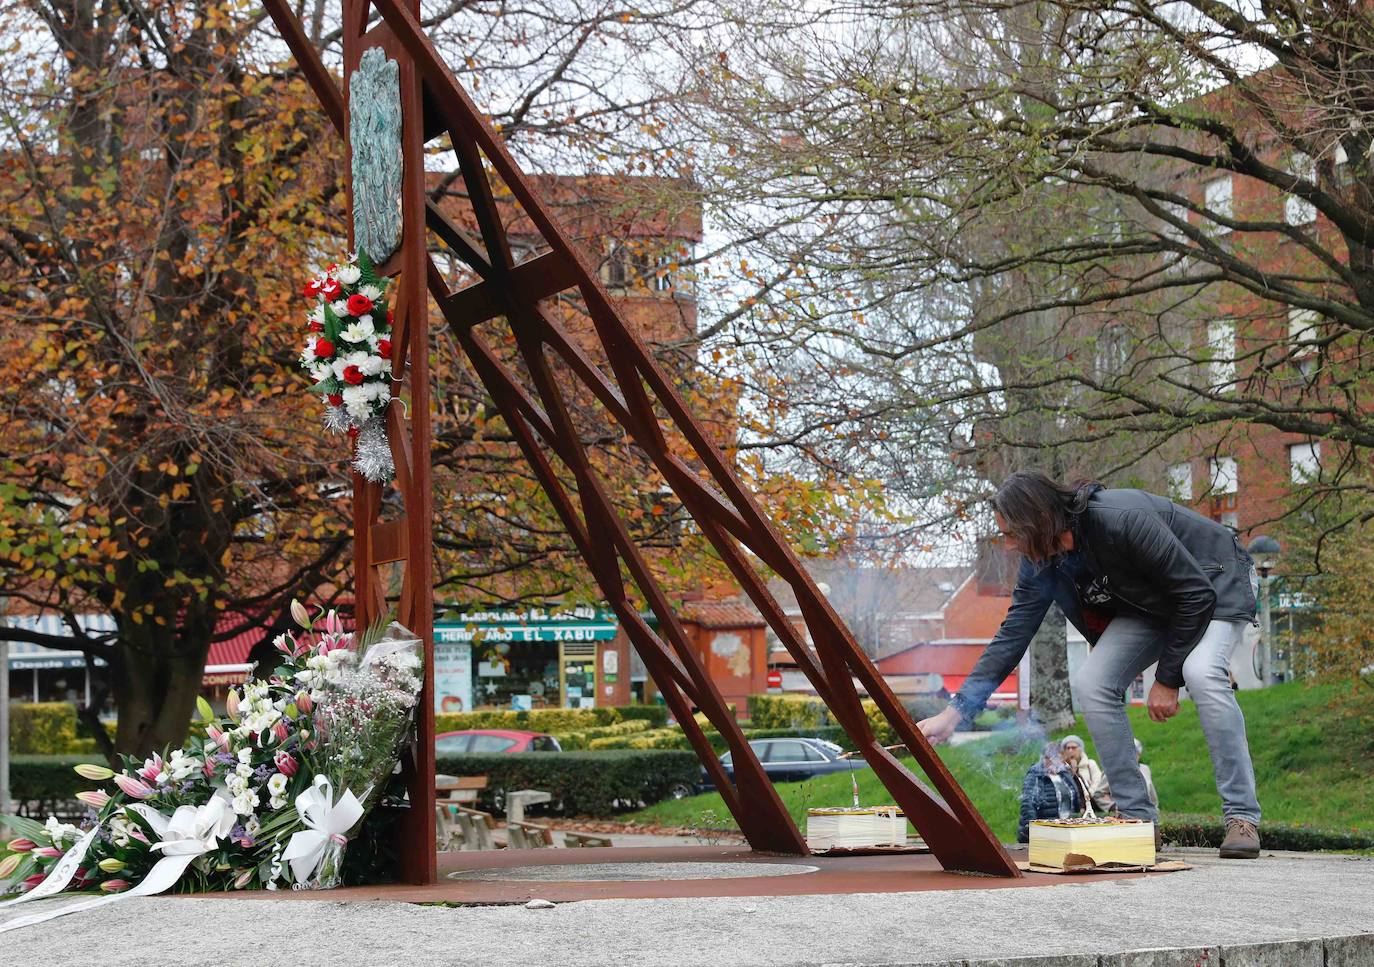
(44, 785)
(1190, 830)
(589, 783)
(655, 715)
(808, 713)
(551, 720)
(571, 741)
(787, 712)
(42, 728)
(924, 706)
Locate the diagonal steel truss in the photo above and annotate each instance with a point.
(638, 395)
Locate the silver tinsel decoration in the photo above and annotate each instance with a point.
(336, 419)
(372, 454)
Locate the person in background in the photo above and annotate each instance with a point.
(1051, 790)
(1089, 773)
(1145, 774)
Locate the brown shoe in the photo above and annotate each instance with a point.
(1242, 840)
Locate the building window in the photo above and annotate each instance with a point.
(1229, 518)
(641, 264)
(1177, 213)
(1302, 335)
(1297, 211)
(1181, 482)
(1221, 355)
(1223, 474)
(1304, 461)
(1113, 350)
(1216, 197)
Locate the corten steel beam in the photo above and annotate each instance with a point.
(677, 670)
(636, 395)
(406, 541)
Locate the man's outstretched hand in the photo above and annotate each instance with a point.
(938, 728)
(1162, 702)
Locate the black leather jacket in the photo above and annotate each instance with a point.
(1157, 559)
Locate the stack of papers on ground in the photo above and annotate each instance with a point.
(859, 827)
(1066, 843)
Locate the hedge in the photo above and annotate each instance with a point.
(552, 720)
(586, 783)
(655, 715)
(809, 712)
(572, 741)
(674, 738)
(42, 728)
(1208, 831)
(45, 784)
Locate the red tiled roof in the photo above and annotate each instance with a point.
(721, 614)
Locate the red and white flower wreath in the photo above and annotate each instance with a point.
(348, 355)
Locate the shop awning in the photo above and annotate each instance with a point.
(27, 656)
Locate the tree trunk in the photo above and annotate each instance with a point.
(1051, 698)
(155, 682)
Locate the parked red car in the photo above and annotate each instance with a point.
(494, 740)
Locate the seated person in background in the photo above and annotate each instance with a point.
(1088, 772)
(1051, 791)
(1145, 774)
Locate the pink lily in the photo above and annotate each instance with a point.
(332, 624)
(152, 768)
(304, 702)
(32, 881)
(133, 787)
(286, 764)
(279, 731)
(95, 798)
(48, 852)
(21, 845)
(218, 736)
(114, 886)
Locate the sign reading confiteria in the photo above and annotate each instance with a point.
(579, 624)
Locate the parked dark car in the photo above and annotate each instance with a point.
(494, 740)
(790, 760)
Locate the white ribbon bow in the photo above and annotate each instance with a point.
(192, 830)
(328, 821)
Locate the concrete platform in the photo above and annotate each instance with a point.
(1283, 910)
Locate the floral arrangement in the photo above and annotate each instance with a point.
(348, 355)
(266, 798)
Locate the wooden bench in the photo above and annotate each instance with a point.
(583, 840)
(529, 836)
(458, 790)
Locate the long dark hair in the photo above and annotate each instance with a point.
(1037, 509)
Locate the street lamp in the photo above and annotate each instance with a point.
(1265, 550)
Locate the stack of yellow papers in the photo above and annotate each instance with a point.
(1083, 842)
(858, 827)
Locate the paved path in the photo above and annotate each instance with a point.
(1285, 903)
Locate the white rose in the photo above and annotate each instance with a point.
(359, 331)
(373, 365)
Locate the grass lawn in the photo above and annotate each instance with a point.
(1313, 749)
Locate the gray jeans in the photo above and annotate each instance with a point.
(1127, 648)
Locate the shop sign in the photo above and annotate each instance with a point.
(452, 676)
(533, 625)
